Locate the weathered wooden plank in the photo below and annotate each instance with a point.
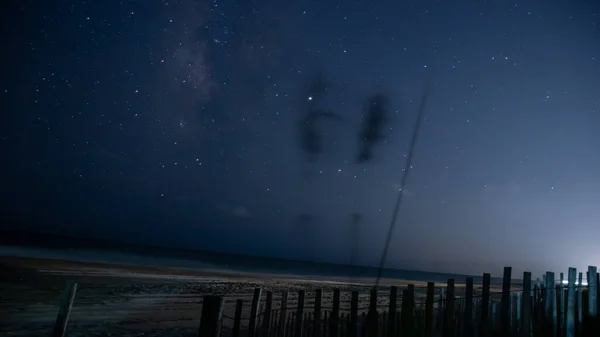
(283, 313)
(526, 306)
(580, 299)
(237, 318)
(317, 313)
(505, 302)
(592, 291)
(372, 320)
(391, 325)
(485, 305)
(254, 312)
(468, 315)
(407, 312)
(64, 311)
(212, 313)
(549, 298)
(300, 314)
(429, 309)
(335, 314)
(354, 314)
(561, 303)
(448, 329)
(570, 319)
(266, 323)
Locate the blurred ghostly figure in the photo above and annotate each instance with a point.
(373, 123)
(310, 135)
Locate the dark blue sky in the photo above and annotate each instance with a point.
(177, 123)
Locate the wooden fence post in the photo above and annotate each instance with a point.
(429, 309)
(335, 314)
(407, 313)
(592, 291)
(561, 302)
(266, 323)
(549, 301)
(468, 318)
(372, 318)
(526, 306)
(237, 318)
(282, 313)
(64, 311)
(354, 314)
(570, 325)
(317, 316)
(517, 312)
(580, 300)
(391, 324)
(449, 313)
(597, 292)
(485, 305)
(439, 322)
(300, 314)
(254, 312)
(505, 302)
(212, 313)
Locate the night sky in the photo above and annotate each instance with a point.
(187, 123)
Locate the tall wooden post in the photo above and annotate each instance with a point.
(266, 323)
(254, 312)
(391, 324)
(468, 318)
(485, 305)
(526, 306)
(505, 302)
(549, 301)
(580, 300)
(299, 314)
(64, 311)
(561, 302)
(317, 316)
(592, 291)
(237, 318)
(449, 313)
(407, 313)
(429, 309)
(354, 314)
(570, 324)
(335, 314)
(212, 312)
(282, 313)
(372, 318)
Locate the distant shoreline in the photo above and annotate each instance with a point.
(23, 243)
(231, 265)
(86, 269)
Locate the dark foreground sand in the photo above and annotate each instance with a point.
(143, 301)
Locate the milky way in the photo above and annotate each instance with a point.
(177, 123)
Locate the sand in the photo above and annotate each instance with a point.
(116, 300)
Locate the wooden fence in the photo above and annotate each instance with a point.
(527, 308)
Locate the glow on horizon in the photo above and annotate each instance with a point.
(583, 283)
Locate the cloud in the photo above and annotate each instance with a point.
(237, 211)
(241, 212)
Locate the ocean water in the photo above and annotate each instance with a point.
(46, 246)
(209, 261)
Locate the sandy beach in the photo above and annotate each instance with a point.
(136, 301)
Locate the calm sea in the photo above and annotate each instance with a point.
(42, 246)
